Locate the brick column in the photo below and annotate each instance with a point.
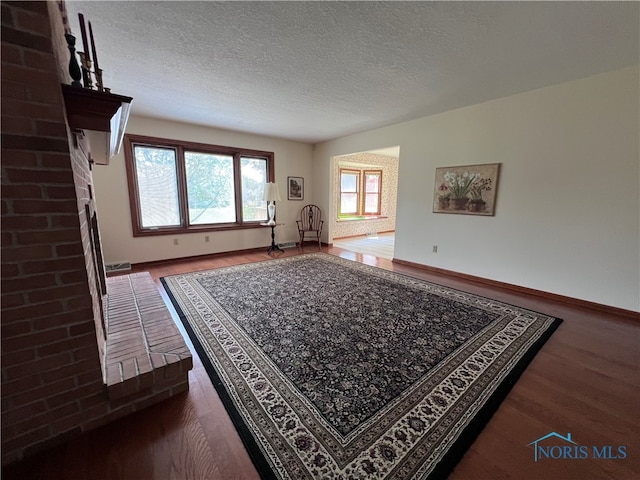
(52, 381)
(54, 346)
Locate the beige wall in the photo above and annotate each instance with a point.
(568, 208)
(112, 197)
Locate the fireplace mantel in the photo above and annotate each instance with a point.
(102, 116)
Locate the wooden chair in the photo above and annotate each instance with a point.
(310, 223)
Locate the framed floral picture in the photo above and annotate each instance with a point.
(467, 190)
(295, 188)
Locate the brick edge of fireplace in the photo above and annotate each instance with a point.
(54, 298)
(146, 354)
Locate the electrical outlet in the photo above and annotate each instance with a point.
(175, 241)
(435, 249)
(206, 238)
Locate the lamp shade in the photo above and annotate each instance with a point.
(271, 192)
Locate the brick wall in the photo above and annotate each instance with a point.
(53, 343)
(81, 169)
(52, 380)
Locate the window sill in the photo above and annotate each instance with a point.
(359, 218)
(194, 229)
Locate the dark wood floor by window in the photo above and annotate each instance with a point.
(584, 381)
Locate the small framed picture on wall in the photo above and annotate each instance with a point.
(295, 188)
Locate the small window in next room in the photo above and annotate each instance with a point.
(360, 192)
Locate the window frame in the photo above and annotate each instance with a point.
(357, 192)
(180, 146)
(365, 192)
(361, 193)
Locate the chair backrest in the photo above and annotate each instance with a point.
(311, 217)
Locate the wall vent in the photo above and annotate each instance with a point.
(118, 267)
(288, 245)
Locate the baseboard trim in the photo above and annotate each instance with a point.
(154, 263)
(575, 302)
(136, 267)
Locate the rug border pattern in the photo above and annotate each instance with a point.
(506, 364)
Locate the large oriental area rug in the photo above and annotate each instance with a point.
(331, 369)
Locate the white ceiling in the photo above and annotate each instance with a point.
(313, 71)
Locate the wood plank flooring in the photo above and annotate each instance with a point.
(381, 245)
(585, 381)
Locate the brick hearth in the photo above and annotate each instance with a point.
(145, 354)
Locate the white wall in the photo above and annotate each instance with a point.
(112, 197)
(568, 204)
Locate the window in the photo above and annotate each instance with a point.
(372, 190)
(349, 183)
(360, 192)
(182, 186)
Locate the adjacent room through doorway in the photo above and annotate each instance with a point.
(364, 186)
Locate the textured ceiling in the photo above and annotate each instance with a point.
(313, 71)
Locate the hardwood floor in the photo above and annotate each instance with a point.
(379, 246)
(585, 381)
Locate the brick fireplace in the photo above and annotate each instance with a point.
(59, 376)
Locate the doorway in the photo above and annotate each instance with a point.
(364, 231)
